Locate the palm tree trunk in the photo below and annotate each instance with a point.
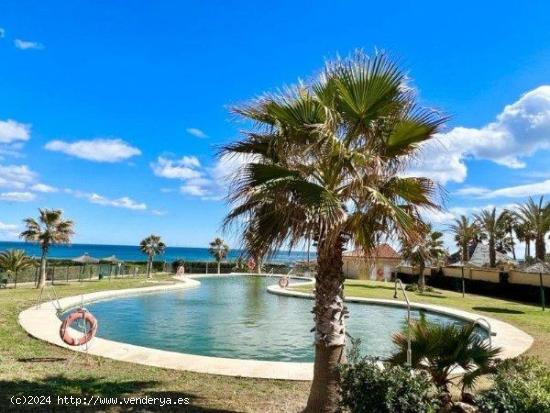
(330, 335)
(15, 280)
(513, 244)
(492, 252)
(259, 265)
(149, 265)
(527, 248)
(219, 265)
(42, 278)
(421, 278)
(540, 247)
(465, 252)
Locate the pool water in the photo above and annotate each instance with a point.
(235, 317)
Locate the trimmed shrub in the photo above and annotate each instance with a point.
(521, 385)
(366, 386)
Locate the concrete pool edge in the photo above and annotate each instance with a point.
(42, 322)
(512, 340)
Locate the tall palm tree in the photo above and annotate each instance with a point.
(524, 233)
(427, 249)
(492, 226)
(510, 225)
(324, 161)
(219, 250)
(465, 233)
(15, 261)
(536, 216)
(50, 229)
(151, 246)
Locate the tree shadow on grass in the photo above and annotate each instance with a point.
(498, 310)
(60, 385)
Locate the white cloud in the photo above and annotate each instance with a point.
(471, 191)
(27, 45)
(520, 130)
(183, 169)
(194, 190)
(39, 187)
(123, 202)
(97, 150)
(8, 231)
(16, 176)
(520, 191)
(197, 133)
(2, 32)
(17, 196)
(13, 131)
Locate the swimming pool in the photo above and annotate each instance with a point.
(235, 317)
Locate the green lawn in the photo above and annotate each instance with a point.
(529, 318)
(32, 367)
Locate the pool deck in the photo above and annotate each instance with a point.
(42, 321)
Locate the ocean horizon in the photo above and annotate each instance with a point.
(132, 252)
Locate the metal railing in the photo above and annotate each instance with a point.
(409, 350)
(488, 326)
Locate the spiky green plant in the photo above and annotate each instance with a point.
(325, 161)
(439, 349)
(15, 261)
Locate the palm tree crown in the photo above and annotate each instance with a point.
(151, 246)
(49, 229)
(493, 227)
(218, 249)
(324, 161)
(535, 216)
(465, 233)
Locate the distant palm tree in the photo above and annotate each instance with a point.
(427, 249)
(492, 226)
(465, 233)
(439, 349)
(536, 216)
(524, 233)
(50, 229)
(218, 249)
(324, 161)
(510, 226)
(151, 246)
(15, 261)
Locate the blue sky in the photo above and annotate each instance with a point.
(140, 92)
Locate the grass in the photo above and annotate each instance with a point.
(530, 318)
(32, 367)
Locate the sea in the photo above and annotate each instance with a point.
(132, 252)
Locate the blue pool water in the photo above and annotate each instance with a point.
(235, 317)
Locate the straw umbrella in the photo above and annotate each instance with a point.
(85, 259)
(112, 260)
(540, 268)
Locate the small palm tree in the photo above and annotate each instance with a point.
(536, 217)
(439, 349)
(324, 161)
(151, 246)
(50, 229)
(219, 250)
(492, 225)
(15, 261)
(465, 233)
(427, 249)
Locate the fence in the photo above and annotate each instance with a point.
(60, 274)
(511, 284)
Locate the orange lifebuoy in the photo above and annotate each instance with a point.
(79, 314)
(380, 272)
(283, 282)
